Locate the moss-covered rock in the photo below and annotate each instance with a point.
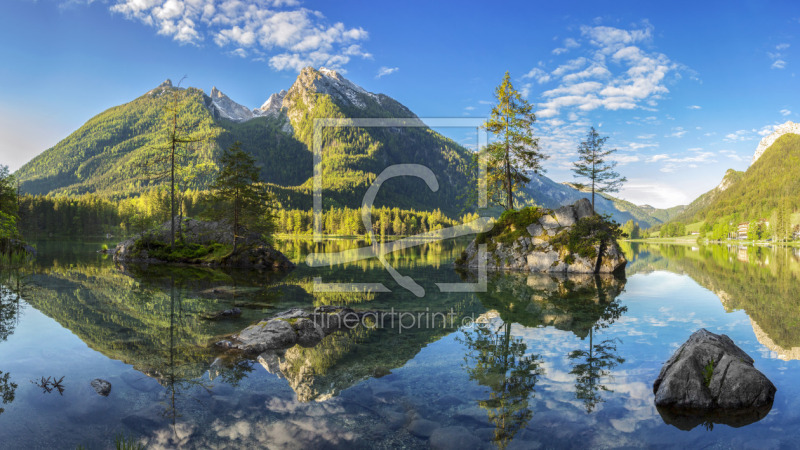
(568, 239)
(207, 243)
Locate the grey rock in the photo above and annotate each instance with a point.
(102, 387)
(453, 438)
(271, 362)
(294, 313)
(565, 216)
(422, 428)
(266, 335)
(535, 229)
(549, 223)
(710, 379)
(309, 333)
(583, 208)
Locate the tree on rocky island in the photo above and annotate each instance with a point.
(181, 136)
(515, 152)
(594, 166)
(240, 195)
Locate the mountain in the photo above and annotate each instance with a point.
(545, 192)
(106, 154)
(772, 178)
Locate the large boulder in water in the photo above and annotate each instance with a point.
(711, 380)
(570, 239)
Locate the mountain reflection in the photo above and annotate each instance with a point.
(761, 281)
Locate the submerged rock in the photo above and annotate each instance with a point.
(226, 314)
(296, 327)
(711, 380)
(544, 243)
(102, 387)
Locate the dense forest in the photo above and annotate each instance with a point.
(93, 215)
(768, 190)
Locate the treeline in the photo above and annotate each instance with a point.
(632, 229)
(93, 215)
(9, 233)
(385, 221)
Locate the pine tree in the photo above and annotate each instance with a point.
(179, 133)
(515, 152)
(593, 165)
(242, 197)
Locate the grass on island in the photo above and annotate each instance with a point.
(194, 253)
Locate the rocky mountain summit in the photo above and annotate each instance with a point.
(569, 239)
(766, 142)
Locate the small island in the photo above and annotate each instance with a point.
(208, 243)
(570, 239)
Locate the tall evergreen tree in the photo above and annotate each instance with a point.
(594, 166)
(515, 152)
(179, 134)
(243, 199)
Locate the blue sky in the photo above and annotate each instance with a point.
(685, 90)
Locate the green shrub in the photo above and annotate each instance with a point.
(587, 234)
(510, 226)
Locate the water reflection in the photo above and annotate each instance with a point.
(761, 281)
(12, 285)
(499, 361)
(582, 304)
(7, 389)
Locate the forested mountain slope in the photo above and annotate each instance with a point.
(106, 155)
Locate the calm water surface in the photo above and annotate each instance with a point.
(557, 362)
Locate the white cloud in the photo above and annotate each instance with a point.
(538, 74)
(614, 73)
(677, 132)
(785, 112)
(295, 37)
(694, 107)
(626, 159)
(777, 57)
(525, 90)
(383, 71)
(656, 158)
(731, 154)
(739, 135)
(641, 191)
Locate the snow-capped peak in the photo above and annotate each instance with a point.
(271, 107)
(228, 108)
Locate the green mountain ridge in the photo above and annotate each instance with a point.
(772, 179)
(105, 155)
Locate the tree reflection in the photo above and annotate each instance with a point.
(591, 365)
(12, 283)
(7, 389)
(173, 374)
(498, 361)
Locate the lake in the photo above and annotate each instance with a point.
(534, 362)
